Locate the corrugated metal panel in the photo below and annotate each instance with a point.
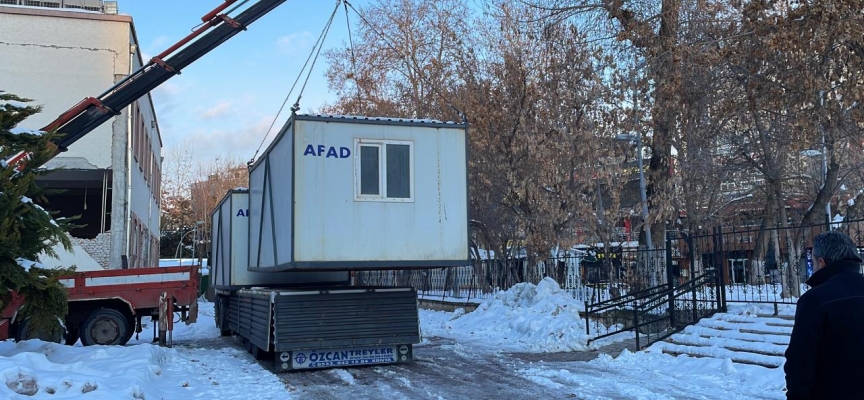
(318, 321)
(233, 313)
(250, 316)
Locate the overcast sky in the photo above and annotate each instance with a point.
(224, 103)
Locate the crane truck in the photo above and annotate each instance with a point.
(106, 307)
(331, 195)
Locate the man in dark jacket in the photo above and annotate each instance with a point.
(825, 358)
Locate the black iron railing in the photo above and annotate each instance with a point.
(764, 264)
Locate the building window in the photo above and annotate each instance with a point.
(384, 170)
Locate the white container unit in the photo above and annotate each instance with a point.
(230, 251)
(338, 193)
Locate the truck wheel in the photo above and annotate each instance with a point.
(130, 331)
(105, 326)
(26, 331)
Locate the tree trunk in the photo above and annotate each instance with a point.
(791, 284)
(666, 74)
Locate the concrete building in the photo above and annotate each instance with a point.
(57, 53)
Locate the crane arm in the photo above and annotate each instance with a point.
(91, 112)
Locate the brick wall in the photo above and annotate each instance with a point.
(98, 248)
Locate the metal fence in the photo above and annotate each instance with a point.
(592, 275)
(763, 265)
(651, 293)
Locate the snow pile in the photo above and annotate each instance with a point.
(527, 318)
(48, 370)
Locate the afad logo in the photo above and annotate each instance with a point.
(327, 152)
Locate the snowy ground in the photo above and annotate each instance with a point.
(525, 342)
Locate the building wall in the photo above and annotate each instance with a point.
(57, 58)
(146, 176)
(98, 248)
(58, 61)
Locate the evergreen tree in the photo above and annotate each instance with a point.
(26, 229)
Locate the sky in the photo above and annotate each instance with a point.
(224, 103)
(527, 318)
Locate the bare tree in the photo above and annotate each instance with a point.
(192, 189)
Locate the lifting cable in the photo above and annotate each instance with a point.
(353, 56)
(419, 72)
(316, 50)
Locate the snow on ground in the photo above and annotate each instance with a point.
(541, 319)
(652, 375)
(538, 318)
(527, 318)
(761, 309)
(38, 370)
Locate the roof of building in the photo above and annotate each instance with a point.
(75, 13)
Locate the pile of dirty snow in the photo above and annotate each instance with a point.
(531, 318)
(48, 370)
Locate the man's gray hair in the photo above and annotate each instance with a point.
(835, 246)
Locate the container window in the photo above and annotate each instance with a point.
(398, 171)
(384, 170)
(370, 175)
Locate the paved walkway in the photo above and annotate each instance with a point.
(613, 349)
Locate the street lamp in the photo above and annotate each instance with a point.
(637, 139)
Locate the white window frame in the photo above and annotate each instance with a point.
(382, 170)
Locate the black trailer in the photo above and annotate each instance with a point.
(304, 320)
(324, 327)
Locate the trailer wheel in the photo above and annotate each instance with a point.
(221, 316)
(105, 326)
(26, 331)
